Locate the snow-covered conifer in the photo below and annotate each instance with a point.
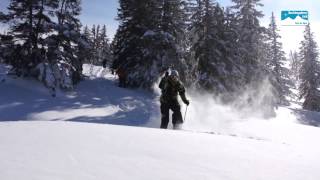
(294, 66)
(212, 48)
(276, 63)
(249, 32)
(30, 21)
(309, 72)
(148, 40)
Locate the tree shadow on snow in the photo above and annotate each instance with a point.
(307, 117)
(96, 101)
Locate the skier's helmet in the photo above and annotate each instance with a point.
(174, 73)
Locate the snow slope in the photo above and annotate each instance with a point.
(42, 137)
(96, 99)
(81, 151)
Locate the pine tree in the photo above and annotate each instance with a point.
(212, 48)
(276, 62)
(309, 72)
(138, 42)
(124, 35)
(173, 36)
(106, 54)
(31, 19)
(103, 36)
(3, 17)
(87, 50)
(93, 40)
(96, 42)
(234, 66)
(51, 43)
(250, 55)
(67, 41)
(97, 46)
(249, 37)
(86, 32)
(205, 47)
(97, 35)
(85, 47)
(6, 48)
(294, 66)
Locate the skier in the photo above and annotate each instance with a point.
(104, 63)
(16, 60)
(122, 77)
(170, 86)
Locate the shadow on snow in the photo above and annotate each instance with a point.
(307, 117)
(94, 100)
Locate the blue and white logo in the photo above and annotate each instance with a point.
(294, 18)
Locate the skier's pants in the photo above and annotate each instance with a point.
(122, 82)
(176, 116)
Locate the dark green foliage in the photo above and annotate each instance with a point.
(48, 34)
(212, 48)
(309, 72)
(275, 63)
(98, 51)
(149, 40)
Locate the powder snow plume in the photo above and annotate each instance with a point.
(207, 113)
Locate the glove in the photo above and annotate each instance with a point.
(187, 102)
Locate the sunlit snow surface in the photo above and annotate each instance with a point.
(82, 151)
(41, 137)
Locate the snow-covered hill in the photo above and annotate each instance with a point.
(82, 151)
(42, 137)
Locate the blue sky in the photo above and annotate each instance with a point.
(100, 12)
(93, 12)
(105, 11)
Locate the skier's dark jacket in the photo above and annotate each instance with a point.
(170, 89)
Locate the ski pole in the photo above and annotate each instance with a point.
(185, 115)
